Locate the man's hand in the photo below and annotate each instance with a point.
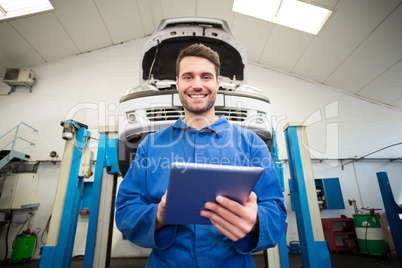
(159, 214)
(231, 218)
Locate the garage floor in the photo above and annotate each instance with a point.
(341, 260)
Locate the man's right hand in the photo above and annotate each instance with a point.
(159, 215)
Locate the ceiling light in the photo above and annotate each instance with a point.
(262, 9)
(16, 8)
(290, 13)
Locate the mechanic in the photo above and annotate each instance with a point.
(200, 137)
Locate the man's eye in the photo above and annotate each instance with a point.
(207, 77)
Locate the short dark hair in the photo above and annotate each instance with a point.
(199, 50)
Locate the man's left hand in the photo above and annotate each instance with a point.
(231, 218)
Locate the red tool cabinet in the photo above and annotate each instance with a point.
(340, 234)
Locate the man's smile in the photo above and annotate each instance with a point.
(196, 96)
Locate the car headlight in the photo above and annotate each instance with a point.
(260, 118)
(144, 87)
(131, 118)
(251, 89)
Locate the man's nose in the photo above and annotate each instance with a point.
(197, 84)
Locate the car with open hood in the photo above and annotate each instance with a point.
(154, 103)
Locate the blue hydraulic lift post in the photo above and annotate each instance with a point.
(393, 210)
(106, 160)
(68, 226)
(61, 254)
(283, 249)
(93, 211)
(315, 254)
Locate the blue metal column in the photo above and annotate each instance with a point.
(283, 249)
(60, 255)
(315, 254)
(106, 159)
(283, 252)
(393, 210)
(68, 226)
(96, 190)
(278, 164)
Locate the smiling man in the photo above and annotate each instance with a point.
(198, 83)
(236, 230)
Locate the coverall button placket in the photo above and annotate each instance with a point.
(200, 147)
(202, 241)
(202, 245)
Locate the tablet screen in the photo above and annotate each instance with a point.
(192, 185)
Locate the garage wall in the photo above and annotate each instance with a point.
(87, 88)
(339, 126)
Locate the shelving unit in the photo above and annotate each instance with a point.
(330, 192)
(340, 234)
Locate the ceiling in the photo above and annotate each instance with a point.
(358, 51)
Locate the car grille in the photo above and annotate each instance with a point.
(232, 114)
(166, 114)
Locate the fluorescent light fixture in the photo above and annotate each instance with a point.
(290, 13)
(16, 8)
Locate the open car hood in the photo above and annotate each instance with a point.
(159, 53)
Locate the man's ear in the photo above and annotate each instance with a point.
(177, 81)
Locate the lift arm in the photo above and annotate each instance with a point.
(393, 210)
(314, 248)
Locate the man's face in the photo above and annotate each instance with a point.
(197, 85)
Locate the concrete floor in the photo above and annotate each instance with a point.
(341, 260)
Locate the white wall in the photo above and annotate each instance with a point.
(339, 126)
(87, 88)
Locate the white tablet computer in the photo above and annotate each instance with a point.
(192, 185)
